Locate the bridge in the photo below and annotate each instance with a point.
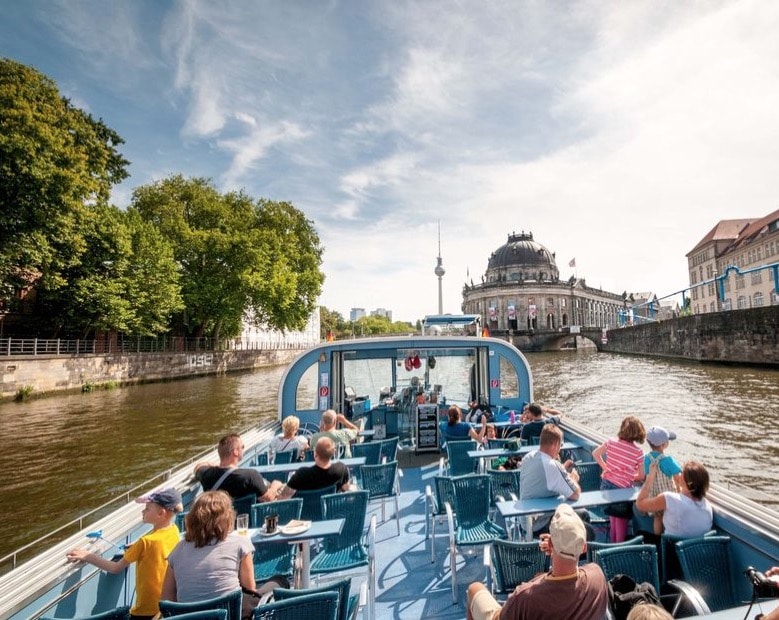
(749, 336)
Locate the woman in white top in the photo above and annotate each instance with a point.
(685, 514)
(289, 439)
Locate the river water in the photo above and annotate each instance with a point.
(64, 455)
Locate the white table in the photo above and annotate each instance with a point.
(318, 529)
(528, 508)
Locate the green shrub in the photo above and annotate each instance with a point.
(23, 393)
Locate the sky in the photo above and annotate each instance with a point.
(618, 133)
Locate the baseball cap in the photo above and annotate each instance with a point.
(170, 499)
(567, 532)
(657, 435)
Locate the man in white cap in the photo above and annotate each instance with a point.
(567, 591)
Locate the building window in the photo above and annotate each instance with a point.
(740, 282)
(712, 307)
(757, 300)
(712, 288)
(726, 304)
(757, 277)
(550, 301)
(695, 293)
(742, 302)
(709, 272)
(727, 285)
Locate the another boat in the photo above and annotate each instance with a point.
(392, 387)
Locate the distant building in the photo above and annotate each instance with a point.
(355, 314)
(735, 247)
(382, 312)
(253, 337)
(521, 291)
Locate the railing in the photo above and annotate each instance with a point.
(38, 346)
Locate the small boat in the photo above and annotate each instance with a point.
(392, 387)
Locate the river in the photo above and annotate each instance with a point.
(64, 455)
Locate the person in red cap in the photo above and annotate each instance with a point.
(150, 552)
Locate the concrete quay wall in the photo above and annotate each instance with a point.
(72, 373)
(738, 336)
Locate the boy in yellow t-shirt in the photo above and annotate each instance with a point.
(150, 551)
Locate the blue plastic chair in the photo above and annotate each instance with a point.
(347, 603)
(381, 481)
(472, 506)
(243, 505)
(275, 559)
(669, 560)
(259, 460)
(312, 505)
(503, 484)
(497, 444)
(206, 614)
(457, 454)
(514, 563)
(370, 450)
(593, 546)
(348, 551)
(120, 613)
(179, 520)
(230, 602)
(636, 561)
(285, 456)
(707, 565)
(319, 606)
(389, 449)
(589, 476)
(436, 498)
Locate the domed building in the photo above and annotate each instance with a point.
(521, 293)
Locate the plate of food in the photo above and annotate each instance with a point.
(295, 527)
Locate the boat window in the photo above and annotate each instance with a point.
(307, 391)
(509, 381)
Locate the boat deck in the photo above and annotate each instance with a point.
(409, 585)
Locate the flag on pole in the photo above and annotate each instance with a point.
(572, 262)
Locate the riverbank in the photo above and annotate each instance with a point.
(31, 377)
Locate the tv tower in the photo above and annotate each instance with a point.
(440, 271)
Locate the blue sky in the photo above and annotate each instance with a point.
(618, 133)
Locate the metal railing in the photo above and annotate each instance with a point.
(10, 347)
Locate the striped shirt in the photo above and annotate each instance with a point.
(623, 458)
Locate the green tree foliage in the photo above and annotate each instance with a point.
(332, 320)
(57, 164)
(236, 255)
(128, 281)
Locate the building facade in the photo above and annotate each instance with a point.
(730, 268)
(521, 291)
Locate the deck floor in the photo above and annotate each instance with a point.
(409, 585)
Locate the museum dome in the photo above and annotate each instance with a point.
(520, 259)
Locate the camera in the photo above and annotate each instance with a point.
(762, 585)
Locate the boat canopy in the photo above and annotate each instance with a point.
(459, 320)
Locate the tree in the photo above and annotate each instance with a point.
(239, 258)
(333, 321)
(57, 164)
(127, 281)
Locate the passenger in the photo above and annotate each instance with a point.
(543, 475)
(648, 612)
(456, 429)
(567, 591)
(535, 422)
(212, 560)
(621, 460)
(477, 411)
(323, 473)
(340, 436)
(491, 432)
(669, 475)
(289, 439)
(227, 476)
(150, 551)
(686, 514)
(771, 615)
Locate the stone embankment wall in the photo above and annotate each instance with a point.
(739, 337)
(61, 373)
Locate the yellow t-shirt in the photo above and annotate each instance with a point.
(151, 553)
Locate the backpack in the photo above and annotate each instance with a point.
(662, 482)
(624, 593)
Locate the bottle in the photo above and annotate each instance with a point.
(512, 417)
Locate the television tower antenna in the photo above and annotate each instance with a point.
(440, 271)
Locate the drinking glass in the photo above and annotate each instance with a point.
(242, 524)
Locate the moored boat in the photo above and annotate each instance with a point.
(393, 387)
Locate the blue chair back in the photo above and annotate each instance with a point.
(243, 505)
(120, 613)
(277, 559)
(312, 505)
(285, 456)
(636, 561)
(259, 460)
(707, 565)
(459, 461)
(593, 546)
(206, 614)
(669, 560)
(179, 520)
(389, 449)
(497, 444)
(230, 602)
(286, 509)
(471, 499)
(589, 476)
(502, 483)
(370, 450)
(342, 587)
(352, 507)
(319, 606)
(379, 480)
(514, 563)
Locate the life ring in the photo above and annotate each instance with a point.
(408, 364)
(416, 362)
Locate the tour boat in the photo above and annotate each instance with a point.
(393, 387)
